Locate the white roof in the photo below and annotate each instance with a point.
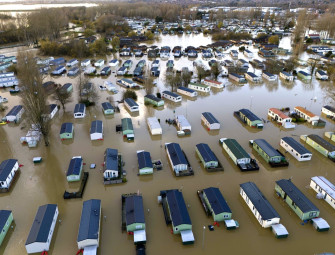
(90, 250)
(320, 223)
(140, 236)
(230, 223)
(325, 185)
(279, 230)
(153, 123)
(187, 236)
(183, 122)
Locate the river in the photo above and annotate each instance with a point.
(45, 183)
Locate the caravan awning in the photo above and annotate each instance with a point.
(187, 236)
(90, 250)
(140, 236)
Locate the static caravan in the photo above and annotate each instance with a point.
(155, 101)
(248, 53)
(321, 75)
(210, 121)
(308, 116)
(171, 96)
(41, 231)
(6, 219)
(269, 154)
(206, 156)
(111, 164)
(329, 111)
(227, 63)
(249, 118)
(72, 63)
(15, 114)
(57, 62)
(303, 75)
(154, 126)
(144, 163)
(183, 124)
(269, 76)
(134, 218)
(243, 63)
(234, 53)
(281, 118)
(99, 63)
(66, 131)
(97, 130)
(73, 71)
(237, 78)
(75, 169)
(79, 111)
(67, 87)
(176, 158)
(217, 205)
(128, 64)
(265, 53)
(296, 200)
(107, 108)
(8, 171)
(89, 228)
(199, 87)
(85, 63)
(286, 76)
(295, 148)
(187, 91)
(174, 207)
(138, 71)
(321, 145)
(90, 70)
(53, 109)
(9, 83)
(127, 128)
(131, 105)
(263, 211)
(252, 77)
(155, 71)
(106, 71)
(238, 155)
(155, 63)
(214, 84)
(324, 189)
(127, 83)
(113, 63)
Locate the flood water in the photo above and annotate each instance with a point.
(45, 183)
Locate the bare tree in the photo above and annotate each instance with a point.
(87, 91)
(201, 72)
(313, 62)
(149, 84)
(186, 77)
(33, 96)
(62, 96)
(215, 71)
(173, 80)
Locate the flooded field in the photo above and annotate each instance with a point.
(46, 182)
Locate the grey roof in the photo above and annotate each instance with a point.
(176, 154)
(252, 74)
(210, 118)
(4, 215)
(236, 75)
(303, 73)
(206, 152)
(216, 200)
(170, 93)
(74, 166)
(79, 108)
(296, 196)
(267, 148)
(111, 159)
(134, 210)
(298, 147)
(66, 127)
(127, 124)
(186, 89)
(286, 73)
(90, 220)
(106, 69)
(67, 85)
(15, 110)
(130, 102)
(250, 115)
(154, 98)
(144, 159)
(73, 69)
(177, 206)
(322, 142)
(40, 229)
(122, 68)
(268, 74)
(260, 202)
(6, 167)
(96, 127)
(107, 106)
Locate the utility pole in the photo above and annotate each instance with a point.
(203, 236)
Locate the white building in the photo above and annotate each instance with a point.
(154, 126)
(187, 91)
(8, 169)
(210, 121)
(79, 111)
(72, 63)
(182, 123)
(281, 118)
(113, 63)
(15, 114)
(41, 231)
(321, 75)
(286, 76)
(248, 53)
(252, 77)
(131, 105)
(171, 96)
(85, 62)
(215, 84)
(99, 63)
(324, 188)
(176, 157)
(199, 87)
(328, 110)
(53, 109)
(306, 115)
(295, 148)
(97, 130)
(269, 76)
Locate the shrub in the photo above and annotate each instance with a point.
(130, 94)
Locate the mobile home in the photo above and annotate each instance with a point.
(15, 114)
(79, 111)
(269, 76)
(8, 170)
(6, 219)
(67, 87)
(155, 101)
(97, 130)
(237, 78)
(286, 76)
(249, 118)
(281, 118)
(171, 96)
(113, 63)
(199, 87)
(329, 111)
(321, 75)
(295, 148)
(243, 63)
(75, 169)
(131, 105)
(187, 91)
(321, 145)
(214, 84)
(324, 189)
(85, 62)
(73, 71)
(72, 63)
(210, 121)
(176, 158)
(154, 126)
(66, 131)
(303, 75)
(234, 53)
(248, 53)
(127, 128)
(144, 163)
(269, 154)
(252, 77)
(183, 124)
(106, 71)
(206, 156)
(99, 63)
(238, 155)
(41, 231)
(107, 108)
(308, 116)
(111, 166)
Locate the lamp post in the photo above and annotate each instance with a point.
(203, 236)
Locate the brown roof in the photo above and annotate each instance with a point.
(303, 110)
(216, 82)
(279, 113)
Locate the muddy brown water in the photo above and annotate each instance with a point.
(45, 183)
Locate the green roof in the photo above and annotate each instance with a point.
(127, 124)
(198, 84)
(236, 148)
